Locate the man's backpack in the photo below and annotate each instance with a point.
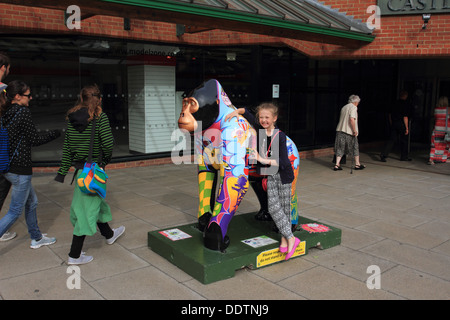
(5, 160)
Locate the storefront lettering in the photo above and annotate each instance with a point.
(391, 7)
(149, 52)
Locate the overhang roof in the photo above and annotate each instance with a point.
(307, 20)
(285, 18)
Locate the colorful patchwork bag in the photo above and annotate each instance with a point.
(92, 180)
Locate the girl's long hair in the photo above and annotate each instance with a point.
(6, 97)
(90, 98)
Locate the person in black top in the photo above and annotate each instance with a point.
(23, 135)
(399, 131)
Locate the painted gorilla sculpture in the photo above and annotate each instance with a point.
(222, 150)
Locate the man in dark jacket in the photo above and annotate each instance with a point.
(398, 119)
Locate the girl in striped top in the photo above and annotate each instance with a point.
(87, 212)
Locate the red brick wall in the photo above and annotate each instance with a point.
(153, 162)
(112, 166)
(399, 37)
(24, 19)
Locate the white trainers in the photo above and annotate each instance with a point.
(83, 259)
(45, 241)
(117, 233)
(8, 236)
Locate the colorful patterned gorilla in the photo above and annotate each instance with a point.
(222, 150)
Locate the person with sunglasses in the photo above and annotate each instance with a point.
(16, 115)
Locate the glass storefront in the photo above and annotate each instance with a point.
(143, 83)
(56, 68)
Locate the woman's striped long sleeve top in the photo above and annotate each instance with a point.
(77, 142)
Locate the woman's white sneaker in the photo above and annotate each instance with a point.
(83, 259)
(8, 236)
(117, 233)
(45, 241)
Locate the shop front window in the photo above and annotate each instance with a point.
(57, 68)
(142, 86)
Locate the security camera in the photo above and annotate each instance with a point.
(426, 17)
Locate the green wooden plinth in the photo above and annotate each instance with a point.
(209, 266)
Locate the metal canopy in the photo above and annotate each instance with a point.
(283, 16)
(295, 11)
(307, 20)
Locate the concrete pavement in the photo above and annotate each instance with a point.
(394, 216)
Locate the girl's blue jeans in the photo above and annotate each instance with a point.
(23, 198)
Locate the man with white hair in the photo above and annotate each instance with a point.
(399, 128)
(347, 133)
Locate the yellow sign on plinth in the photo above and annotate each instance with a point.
(274, 255)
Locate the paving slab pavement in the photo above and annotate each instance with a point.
(394, 216)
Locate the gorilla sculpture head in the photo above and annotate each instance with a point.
(202, 104)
